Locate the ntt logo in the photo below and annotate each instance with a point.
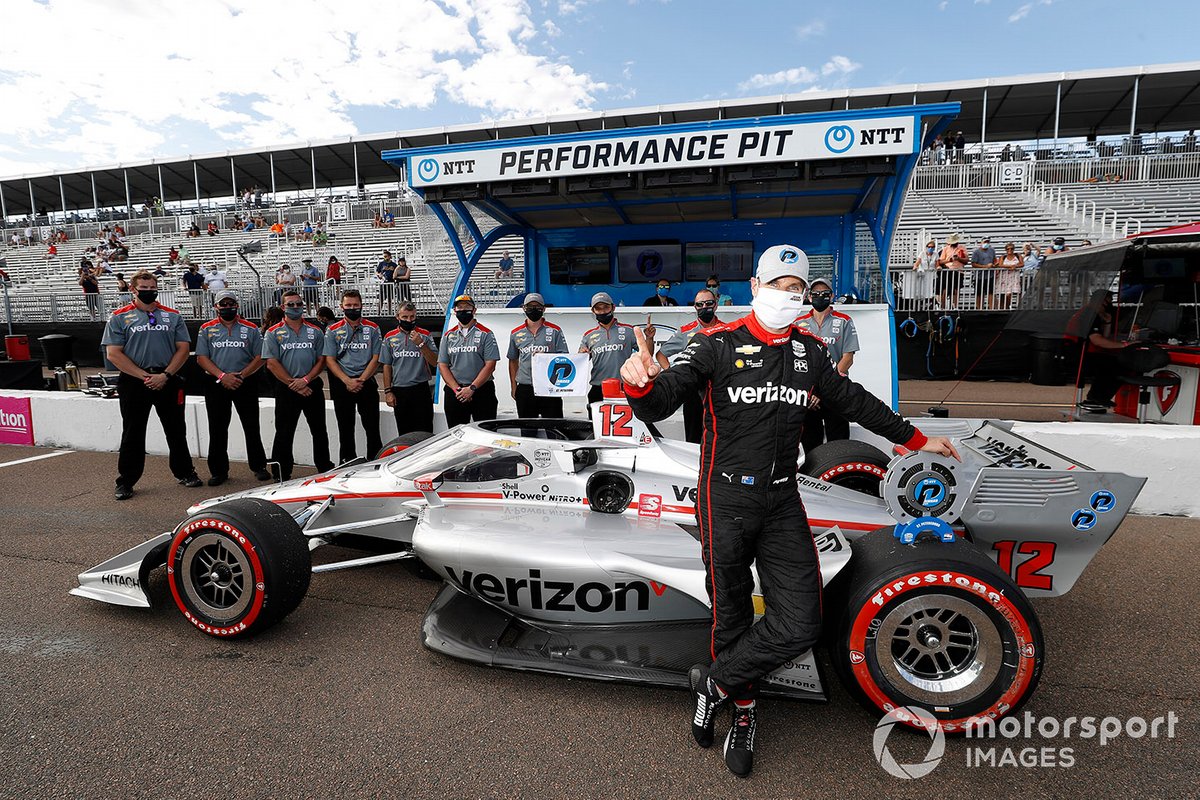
(839, 138)
(428, 169)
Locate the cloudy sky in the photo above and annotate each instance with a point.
(90, 83)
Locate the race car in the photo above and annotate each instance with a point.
(571, 547)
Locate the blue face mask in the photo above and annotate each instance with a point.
(663, 291)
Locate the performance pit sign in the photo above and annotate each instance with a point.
(658, 148)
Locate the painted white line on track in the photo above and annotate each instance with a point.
(35, 458)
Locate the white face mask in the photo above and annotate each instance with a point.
(776, 309)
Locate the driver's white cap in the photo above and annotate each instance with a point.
(782, 260)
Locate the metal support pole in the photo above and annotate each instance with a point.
(32, 207)
(128, 200)
(3, 209)
(196, 180)
(356, 181)
(95, 199)
(312, 157)
(272, 177)
(1057, 109)
(1133, 112)
(62, 196)
(983, 124)
(233, 180)
(162, 195)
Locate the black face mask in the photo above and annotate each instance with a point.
(407, 325)
(706, 315)
(147, 296)
(534, 314)
(227, 314)
(821, 303)
(604, 319)
(352, 314)
(464, 317)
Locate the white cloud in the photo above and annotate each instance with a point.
(131, 81)
(811, 29)
(1023, 11)
(552, 30)
(942, 5)
(836, 66)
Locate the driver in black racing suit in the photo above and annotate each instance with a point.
(757, 376)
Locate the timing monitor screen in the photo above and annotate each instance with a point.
(1160, 268)
(575, 265)
(732, 261)
(642, 262)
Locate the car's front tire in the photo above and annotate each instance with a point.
(938, 627)
(239, 567)
(402, 442)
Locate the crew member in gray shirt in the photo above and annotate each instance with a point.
(609, 344)
(407, 358)
(466, 360)
(536, 335)
(352, 355)
(229, 349)
(149, 344)
(293, 353)
(837, 331)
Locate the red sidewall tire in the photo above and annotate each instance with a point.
(402, 443)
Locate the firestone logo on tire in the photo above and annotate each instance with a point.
(909, 716)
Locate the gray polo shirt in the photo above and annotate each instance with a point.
(407, 359)
(466, 350)
(149, 345)
(674, 346)
(837, 333)
(298, 352)
(522, 345)
(231, 349)
(353, 347)
(609, 348)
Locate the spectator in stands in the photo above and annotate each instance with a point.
(919, 286)
(325, 317)
(123, 294)
(385, 273)
(284, 280)
(505, 266)
(238, 224)
(90, 282)
(15, 240)
(408, 356)
(172, 256)
(1188, 143)
(713, 284)
(278, 230)
(403, 279)
(249, 225)
(1008, 281)
(320, 236)
(52, 250)
(1086, 243)
(389, 219)
(306, 233)
(950, 263)
(1059, 245)
(216, 281)
(311, 276)
(983, 261)
(194, 231)
(258, 199)
(193, 282)
(212, 229)
(661, 296)
(1032, 257)
(333, 272)
(378, 221)
(1007, 153)
(247, 197)
(28, 235)
(159, 272)
(960, 146)
(272, 317)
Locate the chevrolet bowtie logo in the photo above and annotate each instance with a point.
(748, 349)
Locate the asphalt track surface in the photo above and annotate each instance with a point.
(340, 700)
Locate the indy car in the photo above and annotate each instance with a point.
(571, 547)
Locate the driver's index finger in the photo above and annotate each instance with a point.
(640, 337)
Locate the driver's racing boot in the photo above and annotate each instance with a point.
(708, 699)
(739, 742)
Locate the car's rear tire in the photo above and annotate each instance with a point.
(938, 627)
(848, 463)
(402, 442)
(239, 567)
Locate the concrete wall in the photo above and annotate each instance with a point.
(1168, 455)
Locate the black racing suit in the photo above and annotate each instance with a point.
(755, 387)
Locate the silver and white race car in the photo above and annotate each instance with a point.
(572, 548)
